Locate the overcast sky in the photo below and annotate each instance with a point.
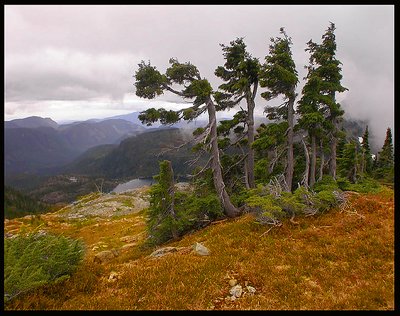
(77, 62)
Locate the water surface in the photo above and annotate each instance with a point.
(133, 184)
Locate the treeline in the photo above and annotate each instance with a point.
(304, 142)
(17, 204)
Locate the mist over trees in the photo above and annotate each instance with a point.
(301, 145)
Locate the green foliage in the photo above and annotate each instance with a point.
(161, 215)
(181, 73)
(149, 81)
(384, 168)
(327, 183)
(192, 212)
(240, 196)
(271, 208)
(279, 74)
(17, 204)
(172, 214)
(267, 207)
(261, 170)
(239, 73)
(34, 260)
(270, 136)
(366, 151)
(348, 161)
(364, 185)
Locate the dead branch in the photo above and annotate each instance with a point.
(203, 169)
(273, 225)
(235, 164)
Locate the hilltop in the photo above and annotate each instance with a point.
(342, 259)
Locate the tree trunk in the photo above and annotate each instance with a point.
(313, 160)
(332, 166)
(229, 209)
(246, 176)
(250, 140)
(290, 159)
(273, 161)
(171, 193)
(321, 167)
(307, 171)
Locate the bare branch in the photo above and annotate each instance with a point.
(235, 164)
(174, 91)
(202, 170)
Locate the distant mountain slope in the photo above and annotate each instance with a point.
(41, 149)
(90, 162)
(33, 150)
(86, 134)
(31, 122)
(137, 156)
(134, 118)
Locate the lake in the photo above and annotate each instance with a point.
(133, 184)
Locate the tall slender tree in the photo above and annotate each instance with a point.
(240, 76)
(151, 83)
(329, 71)
(311, 116)
(279, 75)
(366, 152)
(385, 156)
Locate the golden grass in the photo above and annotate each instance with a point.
(334, 261)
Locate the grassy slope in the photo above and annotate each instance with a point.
(338, 260)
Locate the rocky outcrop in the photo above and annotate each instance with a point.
(201, 250)
(105, 256)
(163, 251)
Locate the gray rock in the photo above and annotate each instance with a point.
(128, 246)
(250, 289)
(236, 291)
(201, 250)
(105, 256)
(114, 276)
(162, 252)
(129, 239)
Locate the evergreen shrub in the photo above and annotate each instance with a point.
(271, 209)
(37, 259)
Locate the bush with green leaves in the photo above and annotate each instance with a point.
(271, 208)
(364, 185)
(38, 259)
(192, 212)
(173, 213)
(327, 183)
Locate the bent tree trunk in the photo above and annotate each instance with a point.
(332, 166)
(250, 140)
(313, 160)
(169, 179)
(229, 209)
(321, 166)
(290, 159)
(307, 171)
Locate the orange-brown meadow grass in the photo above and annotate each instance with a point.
(339, 260)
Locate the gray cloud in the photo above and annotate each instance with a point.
(82, 53)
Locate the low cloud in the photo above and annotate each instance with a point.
(56, 74)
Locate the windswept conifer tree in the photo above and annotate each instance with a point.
(328, 71)
(310, 114)
(279, 76)
(385, 156)
(366, 152)
(320, 113)
(151, 83)
(240, 74)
